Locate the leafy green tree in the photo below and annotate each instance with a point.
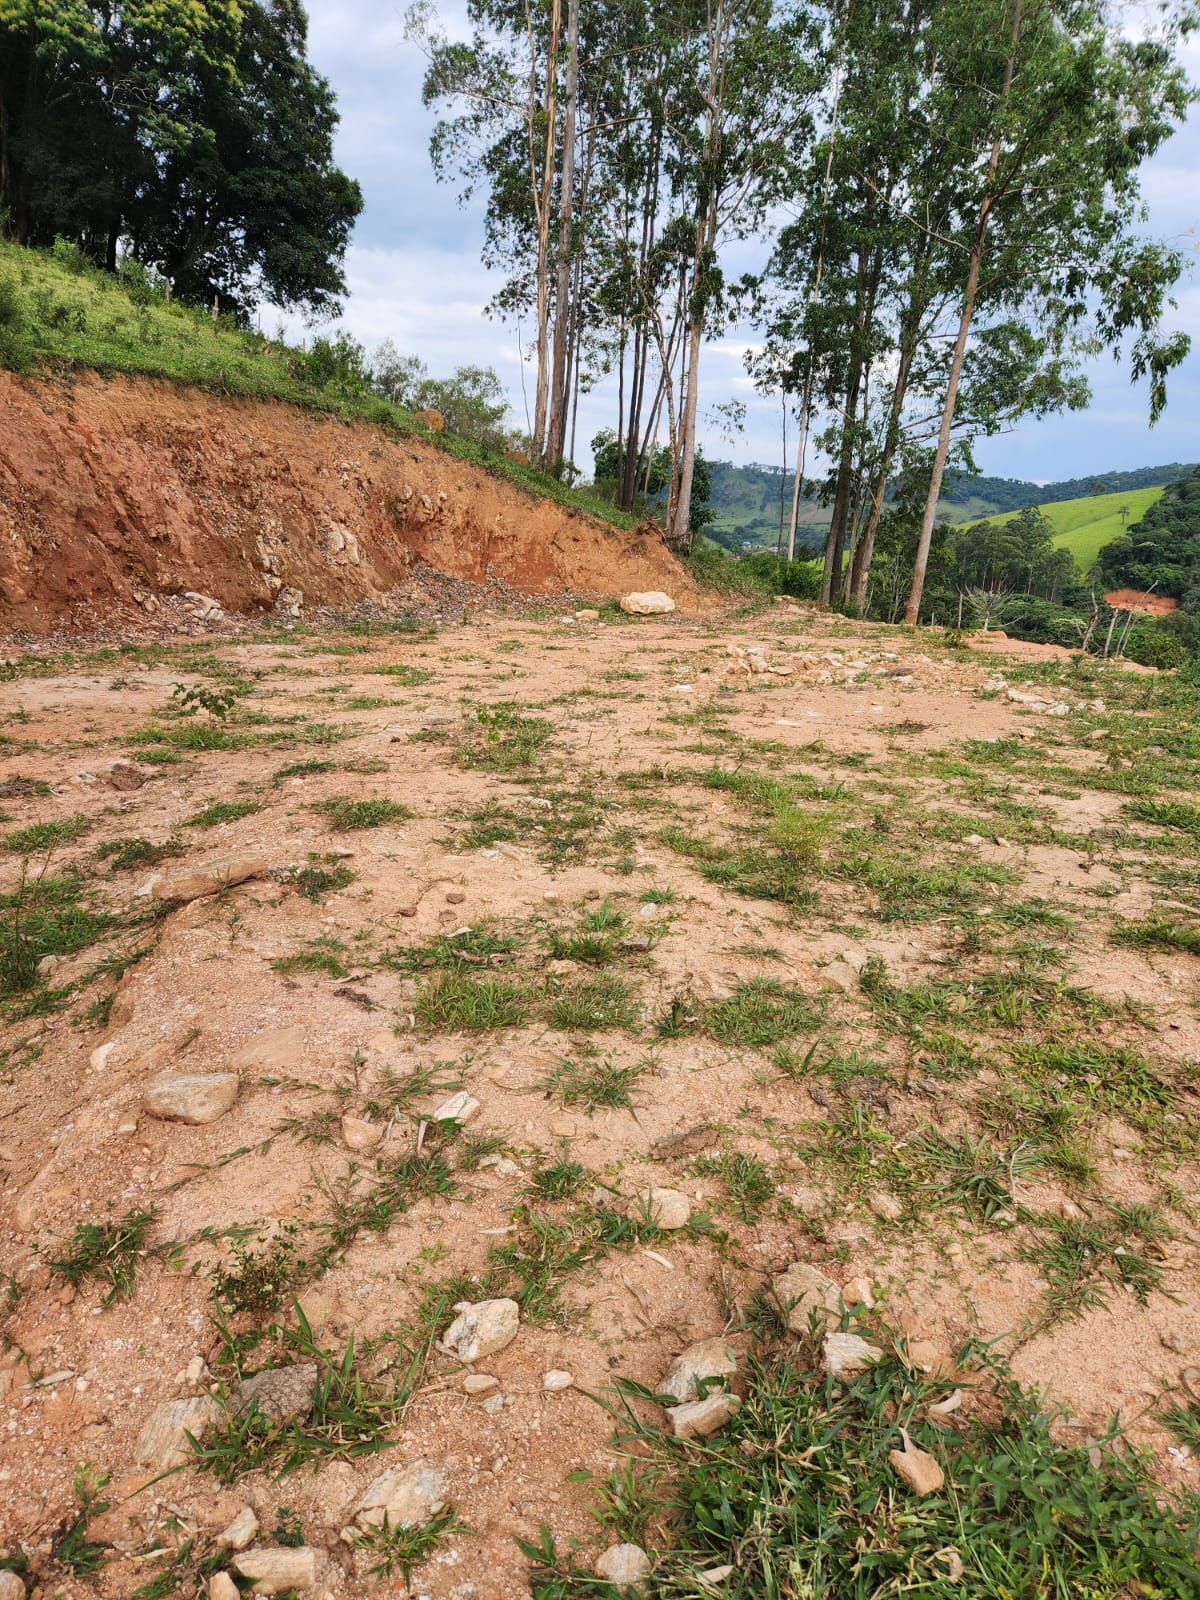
(1161, 553)
(1050, 112)
(191, 134)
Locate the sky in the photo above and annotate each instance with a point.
(415, 276)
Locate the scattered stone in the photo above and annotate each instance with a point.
(241, 1531)
(1171, 1340)
(482, 1329)
(840, 975)
(587, 616)
(275, 1569)
(211, 880)
(359, 1134)
(801, 1291)
(222, 1587)
(696, 1419)
(191, 1097)
(493, 1403)
(974, 839)
(278, 1394)
(47, 967)
(667, 1209)
(886, 1206)
(707, 1360)
(124, 777)
(926, 1357)
(408, 1497)
(162, 1442)
(555, 1381)
(846, 1354)
(712, 1576)
(460, 1108)
(274, 1050)
(455, 897)
(563, 1128)
(684, 1144)
(918, 1468)
(651, 604)
(623, 1564)
(477, 1383)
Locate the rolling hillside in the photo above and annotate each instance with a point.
(1083, 526)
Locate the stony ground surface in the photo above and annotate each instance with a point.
(588, 967)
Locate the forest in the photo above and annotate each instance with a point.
(947, 196)
(943, 196)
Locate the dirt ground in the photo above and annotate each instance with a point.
(957, 818)
(141, 501)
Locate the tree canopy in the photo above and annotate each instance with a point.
(191, 135)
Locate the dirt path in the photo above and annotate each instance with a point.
(849, 924)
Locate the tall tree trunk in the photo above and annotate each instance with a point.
(913, 610)
(562, 290)
(543, 195)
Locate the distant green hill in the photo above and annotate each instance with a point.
(1082, 526)
(747, 501)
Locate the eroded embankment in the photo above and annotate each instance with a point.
(116, 493)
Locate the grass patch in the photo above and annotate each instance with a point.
(346, 816)
(45, 836)
(1158, 933)
(798, 1496)
(320, 876)
(504, 738)
(455, 1000)
(408, 677)
(592, 1084)
(125, 855)
(108, 1251)
(319, 955)
(222, 811)
(587, 1005)
(303, 769)
(44, 916)
(402, 1550)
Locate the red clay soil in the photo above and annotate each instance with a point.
(1154, 605)
(116, 492)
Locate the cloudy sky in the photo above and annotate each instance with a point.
(415, 275)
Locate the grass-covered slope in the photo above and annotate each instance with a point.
(57, 313)
(1084, 526)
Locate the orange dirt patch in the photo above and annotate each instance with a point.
(1154, 605)
(116, 493)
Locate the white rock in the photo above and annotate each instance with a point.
(696, 1419)
(840, 975)
(665, 1208)
(886, 1205)
(803, 1290)
(711, 1576)
(275, 1569)
(482, 1329)
(222, 1587)
(555, 1381)
(846, 1354)
(652, 603)
(476, 1383)
(459, 1108)
(162, 1441)
(707, 1359)
(241, 1531)
(623, 1564)
(191, 1097)
(407, 1496)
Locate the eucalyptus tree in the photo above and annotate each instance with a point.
(1049, 112)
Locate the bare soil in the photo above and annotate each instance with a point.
(116, 496)
(867, 723)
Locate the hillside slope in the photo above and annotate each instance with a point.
(1084, 526)
(116, 493)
